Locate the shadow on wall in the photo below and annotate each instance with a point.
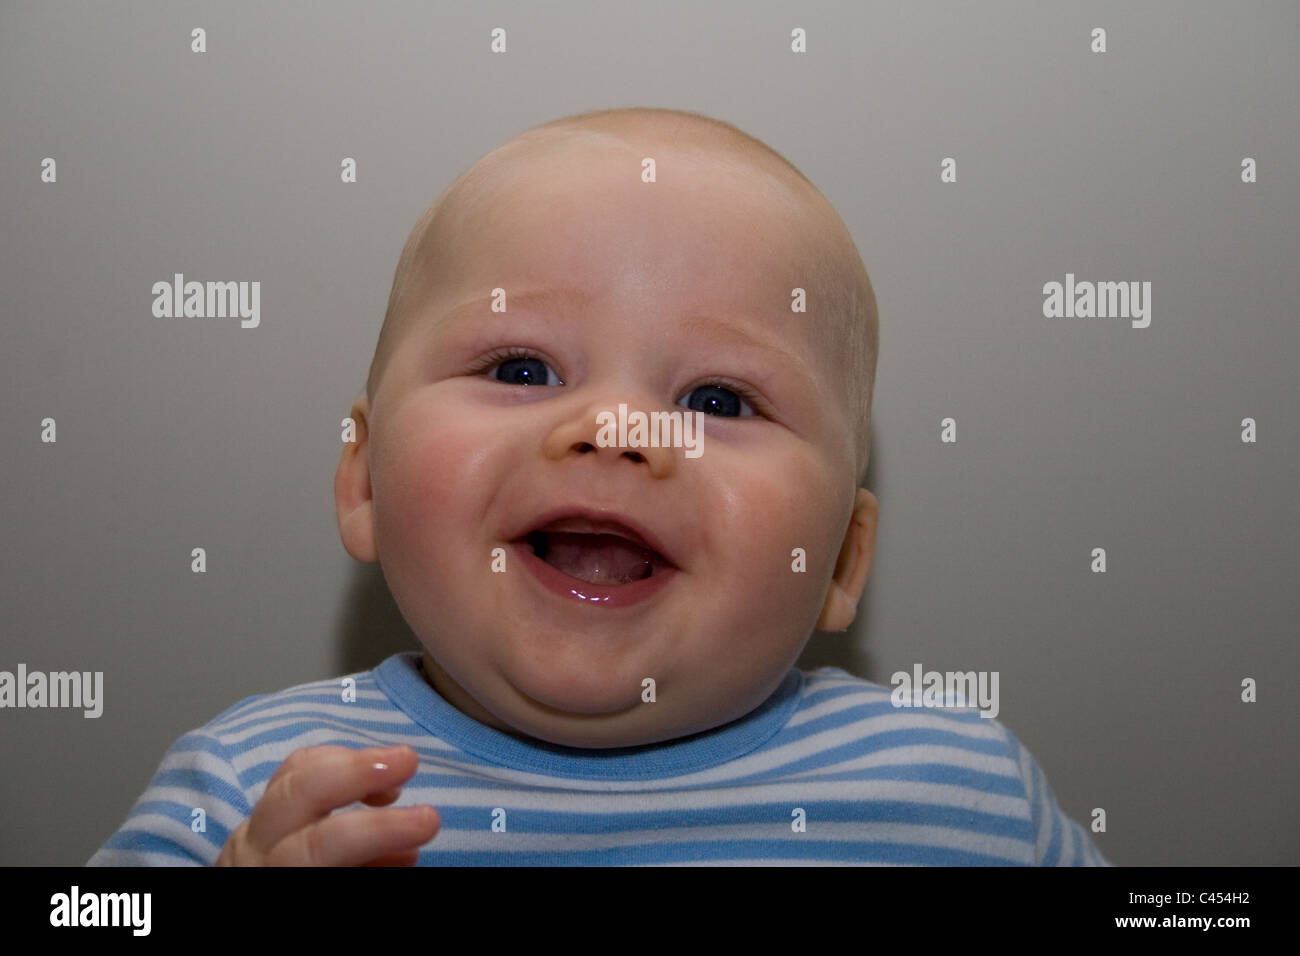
(372, 627)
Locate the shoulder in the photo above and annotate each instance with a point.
(947, 751)
(833, 698)
(832, 683)
(312, 709)
(217, 772)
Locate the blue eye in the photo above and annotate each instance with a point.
(521, 366)
(521, 369)
(717, 399)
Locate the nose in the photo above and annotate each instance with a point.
(577, 434)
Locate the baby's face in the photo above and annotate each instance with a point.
(664, 296)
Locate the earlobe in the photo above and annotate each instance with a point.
(852, 567)
(353, 501)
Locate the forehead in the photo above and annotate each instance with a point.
(717, 233)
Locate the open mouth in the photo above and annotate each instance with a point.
(596, 558)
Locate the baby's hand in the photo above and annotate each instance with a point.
(292, 826)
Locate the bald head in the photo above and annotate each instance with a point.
(839, 290)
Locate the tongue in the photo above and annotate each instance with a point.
(598, 558)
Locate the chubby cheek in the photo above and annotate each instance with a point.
(430, 494)
(773, 593)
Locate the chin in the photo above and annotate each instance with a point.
(576, 673)
(555, 697)
(599, 701)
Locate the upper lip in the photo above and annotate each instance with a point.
(594, 521)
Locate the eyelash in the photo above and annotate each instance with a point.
(497, 356)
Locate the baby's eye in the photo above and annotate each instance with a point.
(520, 367)
(717, 399)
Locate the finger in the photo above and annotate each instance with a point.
(357, 837)
(409, 858)
(382, 799)
(315, 781)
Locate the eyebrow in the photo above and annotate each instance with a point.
(724, 330)
(559, 296)
(712, 325)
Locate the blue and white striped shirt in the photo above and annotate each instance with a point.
(828, 770)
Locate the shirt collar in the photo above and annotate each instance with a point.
(400, 679)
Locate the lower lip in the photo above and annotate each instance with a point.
(601, 595)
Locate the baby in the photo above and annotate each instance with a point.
(609, 628)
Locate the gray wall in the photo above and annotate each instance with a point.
(1072, 433)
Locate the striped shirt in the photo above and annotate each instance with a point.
(826, 771)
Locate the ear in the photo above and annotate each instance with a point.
(353, 503)
(852, 567)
